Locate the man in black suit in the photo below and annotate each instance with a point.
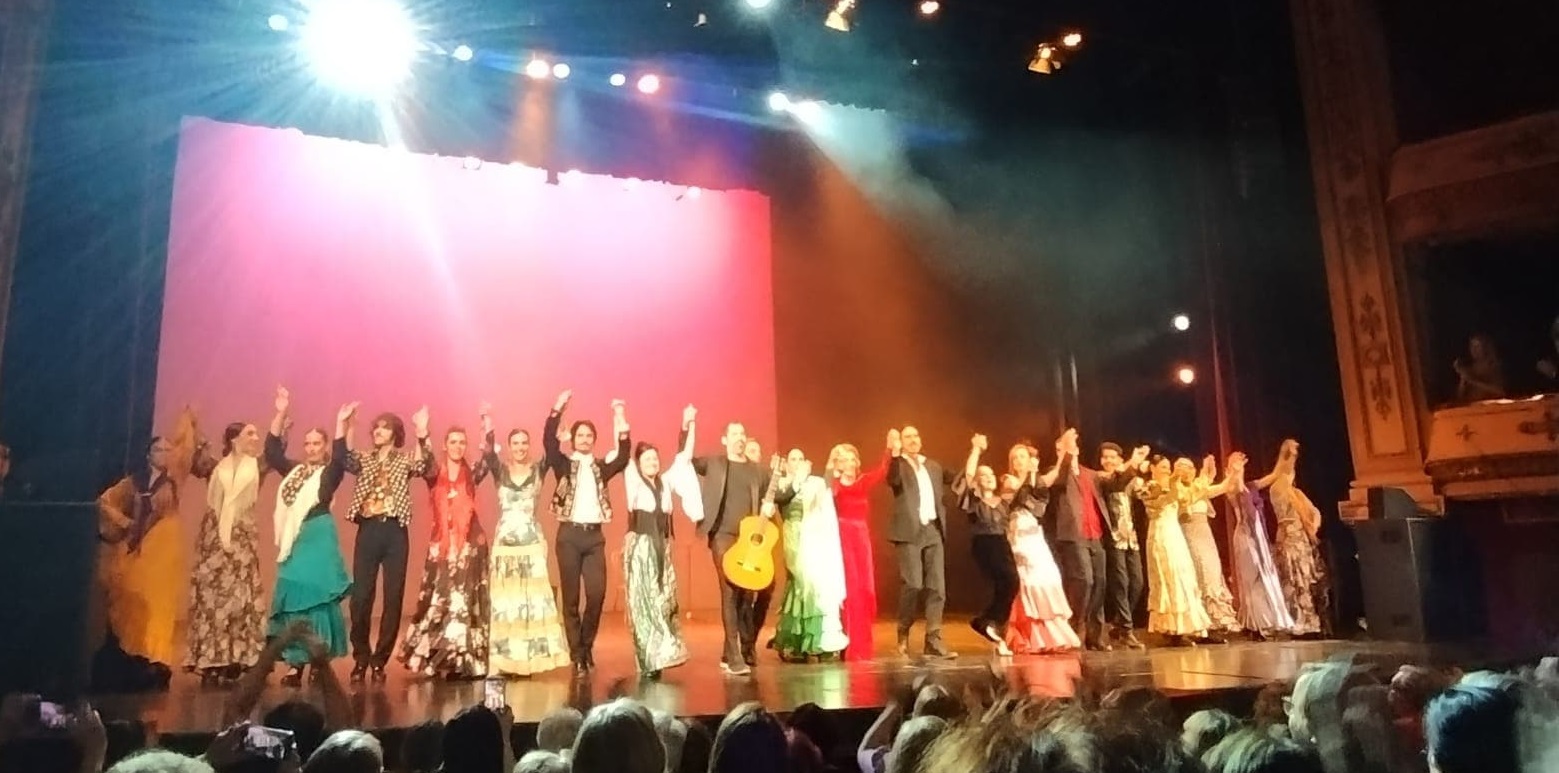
(1075, 522)
(918, 531)
(733, 487)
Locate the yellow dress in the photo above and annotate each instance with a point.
(145, 587)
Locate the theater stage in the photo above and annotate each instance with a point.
(1198, 675)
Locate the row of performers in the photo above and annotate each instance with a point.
(486, 606)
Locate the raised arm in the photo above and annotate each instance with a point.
(551, 447)
(685, 440)
(275, 440)
(617, 460)
(876, 475)
(484, 460)
(422, 460)
(977, 446)
(1205, 480)
(340, 448)
(895, 452)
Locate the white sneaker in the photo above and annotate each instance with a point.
(1003, 650)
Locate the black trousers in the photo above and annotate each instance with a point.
(1083, 579)
(742, 611)
(381, 547)
(581, 553)
(993, 555)
(1123, 586)
(922, 572)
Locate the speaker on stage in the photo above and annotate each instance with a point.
(48, 560)
(1420, 580)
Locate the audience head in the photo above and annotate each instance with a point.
(815, 723)
(423, 747)
(539, 761)
(1270, 709)
(673, 735)
(1254, 751)
(556, 731)
(802, 753)
(933, 700)
(1143, 702)
(618, 737)
(474, 742)
(1013, 737)
(912, 742)
(303, 719)
(347, 751)
(750, 740)
(1472, 729)
(696, 749)
(160, 761)
(1204, 729)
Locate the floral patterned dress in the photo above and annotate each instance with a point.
(447, 636)
(227, 612)
(527, 631)
(1297, 554)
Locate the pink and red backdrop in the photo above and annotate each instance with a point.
(349, 271)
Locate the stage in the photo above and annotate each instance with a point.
(1203, 675)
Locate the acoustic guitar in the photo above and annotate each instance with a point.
(749, 563)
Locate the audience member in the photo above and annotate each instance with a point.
(539, 761)
(423, 747)
(1472, 729)
(476, 741)
(673, 735)
(1252, 751)
(1204, 729)
(914, 739)
(750, 740)
(618, 737)
(347, 751)
(556, 731)
(159, 761)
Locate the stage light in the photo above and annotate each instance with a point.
(649, 84)
(617, 79)
(1044, 61)
(808, 111)
(277, 22)
(631, 183)
(930, 7)
(463, 53)
(839, 18)
(694, 192)
(701, 21)
(759, 5)
(538, 69)
(1186, 375)
(1072, 39)
(362, 46)
(561, 71)
(778, 102)
(571, 177)
(471, 162)
(1181, 322)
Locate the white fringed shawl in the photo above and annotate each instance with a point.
(234, 488)
(290, 514)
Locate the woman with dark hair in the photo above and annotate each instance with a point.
(1473, 729)
(647, 566)
(226, 618)
(1255, 751)
(1296, 543)
(311, 578)
(619, 737)
(447, 637)
(526, 633)
(476, 741)
(143, 565)
(750, 740)
(811, 622)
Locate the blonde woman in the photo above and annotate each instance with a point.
(1174, 600)
(1198, 491)
(852, 503)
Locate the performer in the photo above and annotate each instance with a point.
(647, 566)
(811, 623)
(144, 570)
(918, 531)
(381, 508)
(582, 508)
(226, 616)
(1074, 518)
(526, 635)
(1297, 544)
(1198, 490)
(1038, 621)
(852, 501)
(1263, 610)
(989, 518)
(732, 488)
(1174, 600)
(447, 637)
(1120, 478)
(311, 578)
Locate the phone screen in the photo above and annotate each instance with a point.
(52, 715)
(268, 742)
(493, 697)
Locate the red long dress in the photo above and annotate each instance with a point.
(852, 501)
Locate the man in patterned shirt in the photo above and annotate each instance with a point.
(381, 508)
(1118, 480)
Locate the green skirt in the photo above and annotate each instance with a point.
(310, 585)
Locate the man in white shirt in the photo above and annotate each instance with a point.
(918, 530)
(582, 508)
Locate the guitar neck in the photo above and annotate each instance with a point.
(774, 478)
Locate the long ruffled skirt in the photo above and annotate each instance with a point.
(1174, 599)
(226, 614)
(447, 636)
(1040, 614)
(310, 585)
(527, 631)
(652, 603)
(1216, 598)
(144, 592)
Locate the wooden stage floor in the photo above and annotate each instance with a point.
(699, 688)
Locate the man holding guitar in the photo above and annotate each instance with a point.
(733, 488)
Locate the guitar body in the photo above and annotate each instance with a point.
(749, 563)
